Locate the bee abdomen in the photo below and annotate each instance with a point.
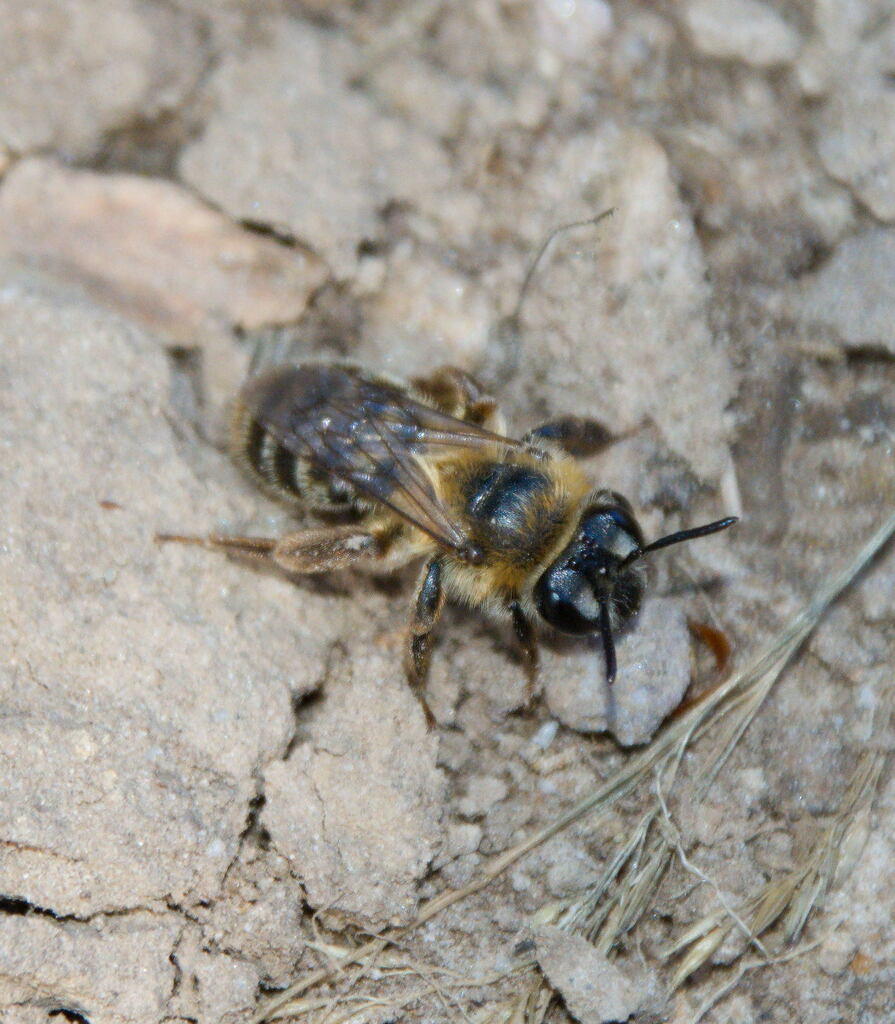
(281, 472)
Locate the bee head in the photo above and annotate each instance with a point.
(596, 585)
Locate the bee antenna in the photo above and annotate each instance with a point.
(608, 643)
(680, 535)
(696, 531)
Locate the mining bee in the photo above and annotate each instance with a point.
(422, 470)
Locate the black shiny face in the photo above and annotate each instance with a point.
(590, 586)
(596, 585)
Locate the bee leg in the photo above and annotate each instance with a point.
(575, 435)
(249, 547)
(426, 610)
(459, 394)
(308, 551)
(326, 549)
(525, 634)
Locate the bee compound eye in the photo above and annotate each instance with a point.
(613, 528)
(565, 600)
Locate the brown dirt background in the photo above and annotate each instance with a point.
(213, 779)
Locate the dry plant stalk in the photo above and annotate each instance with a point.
(790, 897)
(624, 892)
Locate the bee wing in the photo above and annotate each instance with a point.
(369, 433)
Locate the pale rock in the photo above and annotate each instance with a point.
(420, 92)
(572, 868)
(594, 989)
(461, 840)
(852, 297)
(620, 311)
(815, 73)
(72, 72)
(152, 249)
(856, 142)
(142, 684)
(836, 951)
(115, 970)
(290, 144)
(213, 988)
(21, 1013)
(574, 29)
(482, 793)
(356, 808)
(849, 61)
(653, 675)
(864, 898)
(259, 915)
(424, 315)
(744, 30)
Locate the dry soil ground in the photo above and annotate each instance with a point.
(214, 782)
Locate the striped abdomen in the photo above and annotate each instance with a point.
(280, 471)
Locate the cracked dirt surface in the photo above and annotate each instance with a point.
(214, 779)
